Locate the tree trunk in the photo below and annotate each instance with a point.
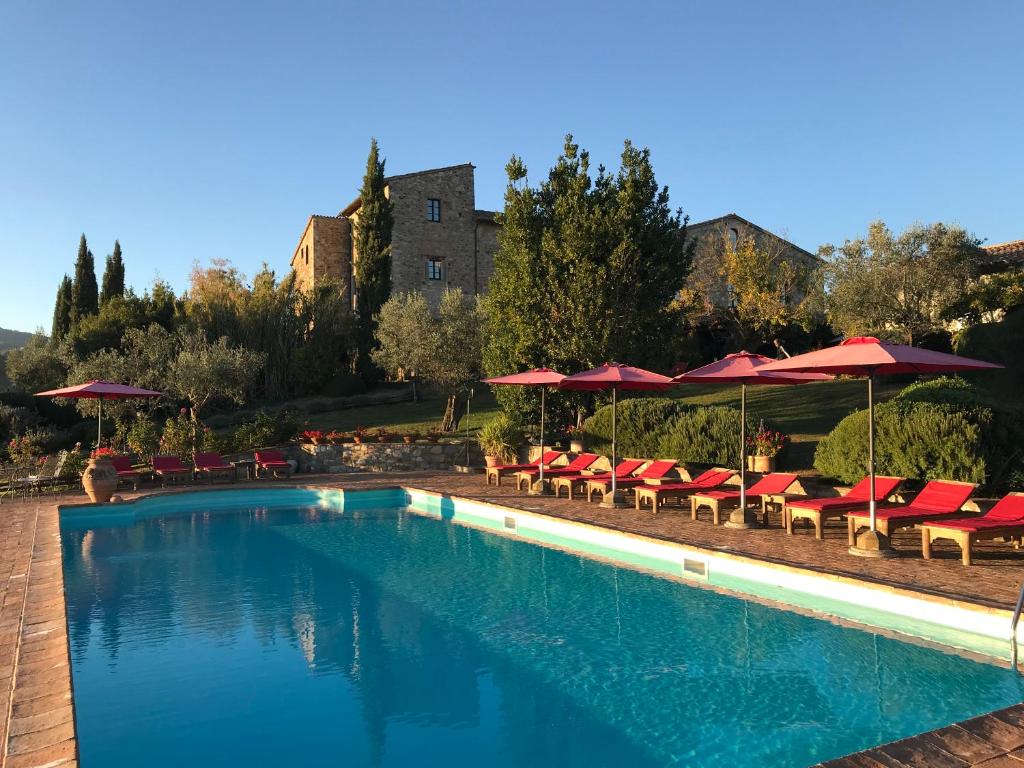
(452, 414)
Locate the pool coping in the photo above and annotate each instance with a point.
(39, 728)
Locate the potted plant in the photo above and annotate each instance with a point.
(359, 434)
(410, 437)
(313, 436)
(99, 479)
(762, 447)
(575, 435)
(499, 440)
(336, 437)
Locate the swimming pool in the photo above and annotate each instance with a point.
(223, 628)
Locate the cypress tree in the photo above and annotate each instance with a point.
(62, 311)
(84, 292)
(113, 276)
(373, 259)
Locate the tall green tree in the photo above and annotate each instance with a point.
(113, 276)
(62, 311)
(899, 286)
(84, 291)
(587, 269)
(373, 225)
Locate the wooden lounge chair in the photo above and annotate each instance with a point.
(1004, 521)
(720, 500)
(527, 477)
(500, 470)
(623, 469)
(656, 470)
(938, 499)
(820, 510)
(170, 468)
(657, 495)
(126, 473)
(272, 463)
(212, 465)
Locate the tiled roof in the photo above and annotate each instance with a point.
(1012, 251)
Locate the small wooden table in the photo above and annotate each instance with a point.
(777, 502)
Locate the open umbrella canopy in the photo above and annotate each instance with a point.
(538, 377)
(744, 368)
(100, 390)
(868, 356)
(615, 376)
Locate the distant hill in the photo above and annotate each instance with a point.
(13, 339)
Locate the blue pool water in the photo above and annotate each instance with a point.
(377, 637)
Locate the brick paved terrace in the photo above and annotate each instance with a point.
(38, 728)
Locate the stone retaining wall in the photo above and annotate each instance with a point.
(383, 457)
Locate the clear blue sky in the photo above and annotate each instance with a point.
(195, 130)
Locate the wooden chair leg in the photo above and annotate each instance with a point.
(715, 513)
(851, 531)
(693, 508)
(926, 543)
(787, 520)
(965, 546)
(819, 527)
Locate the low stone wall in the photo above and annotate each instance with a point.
(384, 457)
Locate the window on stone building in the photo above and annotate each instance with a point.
(734, 236)
(305, 253)
(433, 269)
(433, 209)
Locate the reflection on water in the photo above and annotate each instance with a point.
(380, 639)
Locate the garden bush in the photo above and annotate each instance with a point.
(941, 428)
(664, 427)
(16, 421)
(264, 430)
(143, 437)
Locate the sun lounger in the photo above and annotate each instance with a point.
(657, 495)
(623, 469)
(820, 510)
(213, 465)
(497, 472)
(656, 470)
(720, 500)
(126, 473)
(938, 499)
(527, 477)
(170, 468)
(1004, 521)
(272, 463)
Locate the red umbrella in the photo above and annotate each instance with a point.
(538, 377)
(866, 356)
(744, 368)
(100, 390)
(615, 376)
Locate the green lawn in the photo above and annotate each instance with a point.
(806, 413)
(405, 417)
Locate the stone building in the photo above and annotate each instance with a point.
(440, 239)
(712, 235)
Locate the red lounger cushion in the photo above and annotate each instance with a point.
(860, 493)
(938, 497)
(123, 465)
(208, 461)
(168, 464)
(774, 483)
(581, 462)
(1008, 512)
(548, 457)
(709, 479)
(271, 459)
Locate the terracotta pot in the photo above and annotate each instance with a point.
(491, 461)
(99, 480)
(407, 439)
(357, 439)
(762, 464)
(575, 446)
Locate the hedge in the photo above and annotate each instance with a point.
(944, 428)
(667, 428)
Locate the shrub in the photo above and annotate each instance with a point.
(940, 428)
(177, 437)
(705, 435)
(36, 442)
(16, 421)
(662, 426)
(641, 423)
(143, 437)
(501, 437)
(265, 430)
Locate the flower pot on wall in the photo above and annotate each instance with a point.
(99, 480)
(575, 446)
(761, 464)
(491, 461)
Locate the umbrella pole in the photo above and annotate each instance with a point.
(871, 543)
(541, 488)
(613, 499)
(738, 517)
(99, 423)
